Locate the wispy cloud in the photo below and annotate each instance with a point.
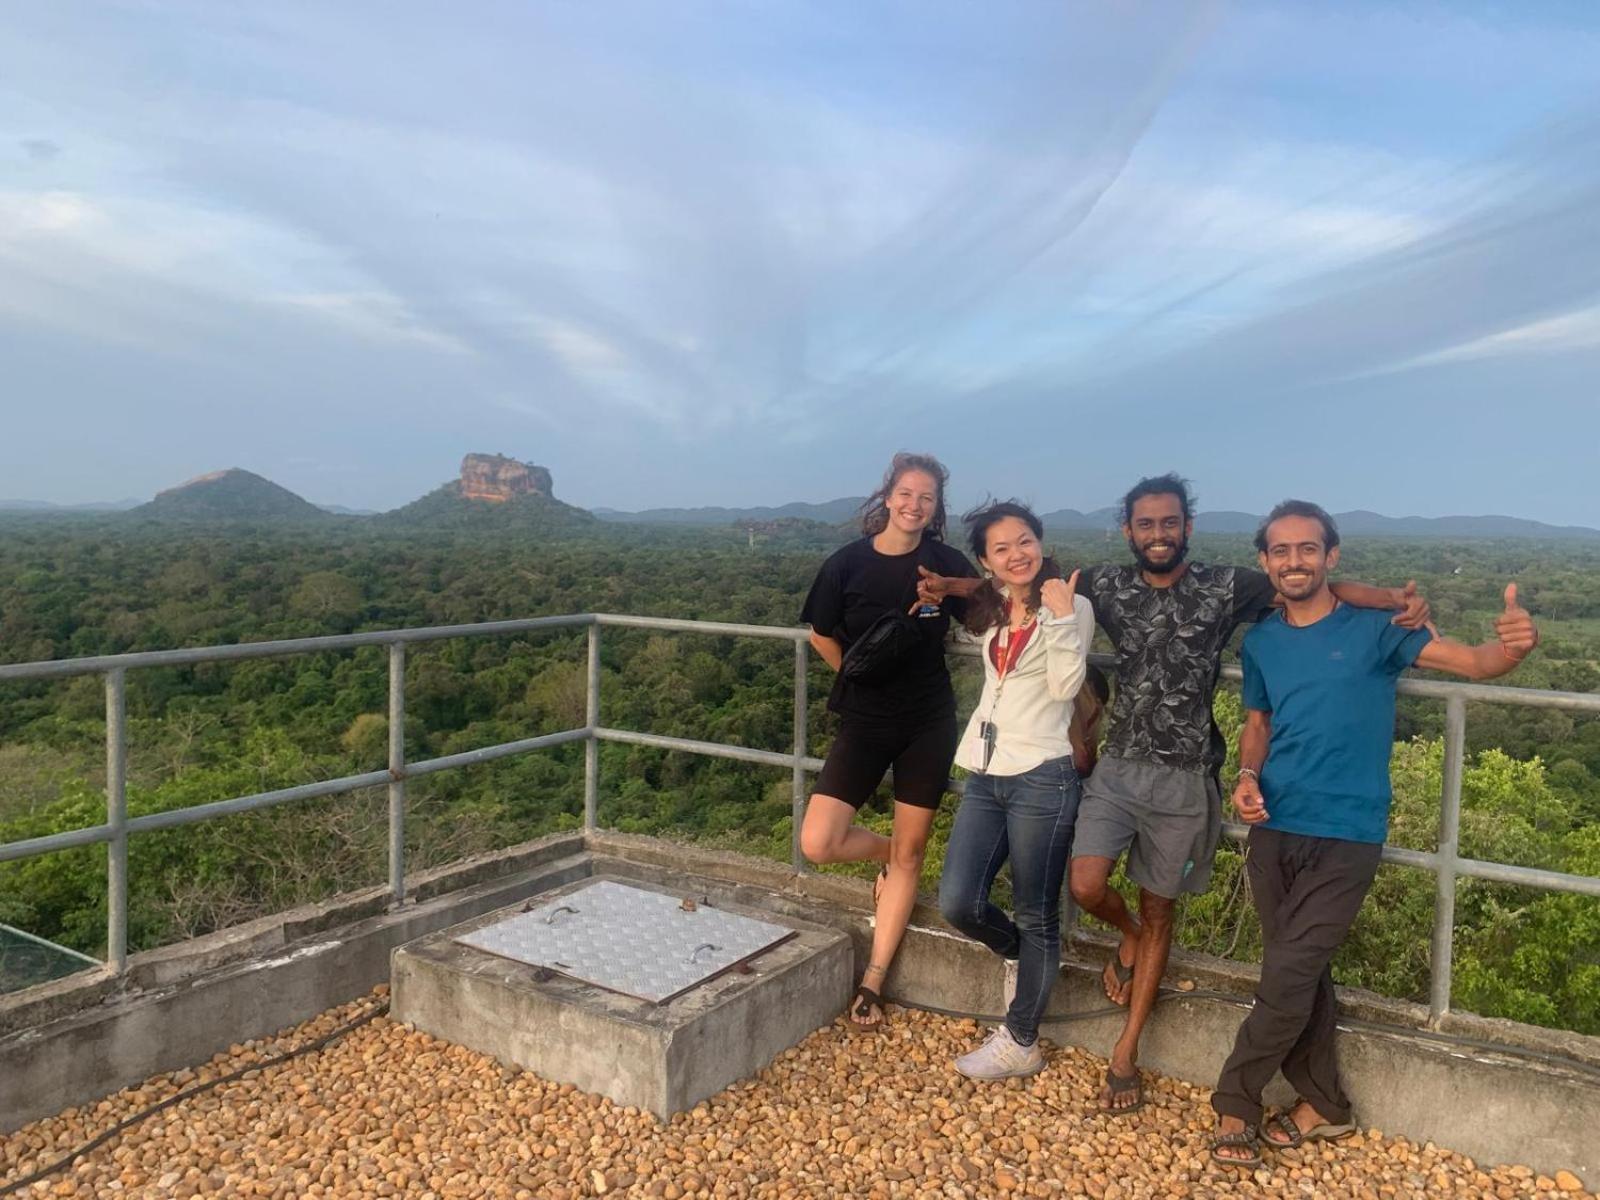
(781, 245)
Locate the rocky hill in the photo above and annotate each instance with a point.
(492, 492)
(231, 495)
(497, 479)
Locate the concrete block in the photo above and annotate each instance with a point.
(663, 1058)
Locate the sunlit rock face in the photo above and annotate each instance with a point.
(496, 478)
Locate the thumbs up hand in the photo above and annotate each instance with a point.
(1414, 612)
(1515, 628)
(1057, 596)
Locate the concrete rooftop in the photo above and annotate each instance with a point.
(387, 1111)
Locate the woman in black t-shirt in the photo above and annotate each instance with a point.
(904, 717)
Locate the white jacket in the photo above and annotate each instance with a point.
(1035, 705)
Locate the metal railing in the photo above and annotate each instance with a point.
(1445, 861)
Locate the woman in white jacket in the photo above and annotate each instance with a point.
(1021, 798)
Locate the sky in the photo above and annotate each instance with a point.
(740, 253)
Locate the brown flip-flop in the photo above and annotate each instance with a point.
(1122, 974)
(1121, 1085)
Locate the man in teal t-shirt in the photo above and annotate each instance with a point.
(1319, 696)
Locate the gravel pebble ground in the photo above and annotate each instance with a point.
(387, 1111)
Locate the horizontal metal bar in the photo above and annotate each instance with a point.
(1398, 855)
(1444, 689)
(174, 817)
(718, 628)
(767, 758)
(1536, 877)
(468, 758)
(51, 842)
(62, 668)
(65, 668)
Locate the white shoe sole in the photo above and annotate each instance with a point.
(1023, 1073)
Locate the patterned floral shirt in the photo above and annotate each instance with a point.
(1169, 644)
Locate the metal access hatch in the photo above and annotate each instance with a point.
(640, 943)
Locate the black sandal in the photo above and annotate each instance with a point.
(1121, 1085)
(861, 1006)
(1248, 1138)
(866, 999)
(1293, 1136)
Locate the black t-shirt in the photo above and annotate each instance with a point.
(855, 587)
(1169, 644)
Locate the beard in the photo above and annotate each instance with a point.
(1179, 553)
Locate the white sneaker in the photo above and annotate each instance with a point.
(1008, 984)
(1001, 1058)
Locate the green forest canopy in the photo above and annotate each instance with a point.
(78, 587)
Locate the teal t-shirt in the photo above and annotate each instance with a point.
(1330, 688)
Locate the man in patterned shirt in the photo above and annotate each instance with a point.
(1155, 793)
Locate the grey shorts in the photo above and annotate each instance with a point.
(1169, 821)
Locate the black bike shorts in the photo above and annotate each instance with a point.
(920, 753)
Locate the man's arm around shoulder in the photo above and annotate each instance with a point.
(1411, 607)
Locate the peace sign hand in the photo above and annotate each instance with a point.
(1515, 628)
(1057, 596)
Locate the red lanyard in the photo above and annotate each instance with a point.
(1016, 641)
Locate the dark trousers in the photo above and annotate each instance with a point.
(1027, 819)
(1308, 891)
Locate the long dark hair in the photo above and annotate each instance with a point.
(874, 510)
(987, 608)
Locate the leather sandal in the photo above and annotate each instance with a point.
(1246, 1138)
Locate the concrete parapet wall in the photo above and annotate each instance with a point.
(1515, 1095)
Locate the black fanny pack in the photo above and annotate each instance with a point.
(879, 654)
(875, 657)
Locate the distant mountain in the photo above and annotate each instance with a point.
(1362, 522)
(340, 510)
(231, 495)
(1071, 518)
(492, 492)
(830, 512)
(1357, 523)
(446, 508)
(46, 506)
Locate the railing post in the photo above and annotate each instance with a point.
(591, 747)
(117, 819)
(397, 767)
(1444, 910)
(798, 796)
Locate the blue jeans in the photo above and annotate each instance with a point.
(1027, 818)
